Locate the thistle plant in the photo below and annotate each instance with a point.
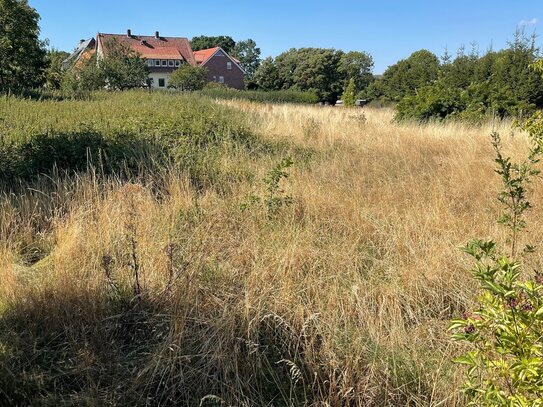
(504, 334)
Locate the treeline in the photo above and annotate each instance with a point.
(325, 72)
(469, 87)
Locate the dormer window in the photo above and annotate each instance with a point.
(157, 62)
(164, 62)
(170, 63)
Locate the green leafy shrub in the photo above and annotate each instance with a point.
(505, 356)
(274, 197)
(188, 78)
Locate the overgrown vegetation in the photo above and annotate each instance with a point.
(471, 87)
(279, 96)
(131, 276)
(504, 360)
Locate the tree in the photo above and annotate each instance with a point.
(357, 66)
(226, 42)
(267, 75)
(189, 78)
(122, 68)
(248, 55)
(348, 97)
(22, 54)
(54, 72)
(406, 76)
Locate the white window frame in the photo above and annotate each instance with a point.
(163, 80)
(221, 79)
(178, 63)
(229, 65)
(151, 62)
(171, 64)
(157, 62)
(163, 62)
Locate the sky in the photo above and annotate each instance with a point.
(387, 30)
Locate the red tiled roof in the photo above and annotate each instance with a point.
(153, 48)
(203, 55)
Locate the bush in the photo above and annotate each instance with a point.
(188, 78)
(279, 96)
(505, 356)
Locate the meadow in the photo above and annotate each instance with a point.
(154, 252)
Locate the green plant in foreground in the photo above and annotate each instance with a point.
(504, 334)
(274, 198)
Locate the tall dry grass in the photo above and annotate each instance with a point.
(343, 298)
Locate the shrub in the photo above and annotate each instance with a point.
(505, 356)
(189, 78)
(280, 96)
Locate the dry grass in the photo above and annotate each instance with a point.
(343, 298)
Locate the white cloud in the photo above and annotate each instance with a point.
(533, 21)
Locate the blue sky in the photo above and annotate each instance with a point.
(388, 30)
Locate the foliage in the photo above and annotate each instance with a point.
(497, 84)
(274, 197)
(248, 55)
(356, 66)
(54, 72)
(280, 96)
(126, 132)
(325, 72)
(22, 54)
(82, 79)
(121, 67)
(226, 42)
(188, 78)
(505, 360)
(402, 79)
(348, 97)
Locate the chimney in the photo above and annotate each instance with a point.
(129, 33)
(157, 35)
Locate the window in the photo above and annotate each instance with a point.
(170, 63)
(157, 62)
(164, 62)
(177, 63)
(229, 65)
(161, 82)
(221, 79)
(219, 54)
(214, 78)
(150, 62)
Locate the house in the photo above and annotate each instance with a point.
(164, 55)
(221, 67)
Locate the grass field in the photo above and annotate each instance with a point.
(141, 265)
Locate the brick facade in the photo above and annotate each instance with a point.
(217, 67)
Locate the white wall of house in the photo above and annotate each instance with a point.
(156, 77)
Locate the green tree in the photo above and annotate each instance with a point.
(406, 76)
(189, 78)
(267, 75)
(248, 55)
(121, 67)
(83, 78)
(22, 54)
(226, 42)
(54, 72)
(348, 97)
(357, 66)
